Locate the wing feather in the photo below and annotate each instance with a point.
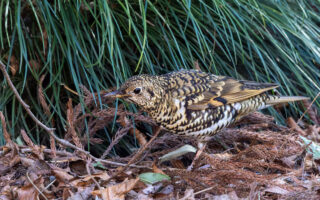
(228, 90)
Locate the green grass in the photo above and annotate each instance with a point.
(100, 44)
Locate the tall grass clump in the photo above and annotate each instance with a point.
(99, 44)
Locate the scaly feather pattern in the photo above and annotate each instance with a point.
(195, 103)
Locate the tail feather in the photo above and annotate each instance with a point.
(286, 99)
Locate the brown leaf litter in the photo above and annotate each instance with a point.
(254, 159)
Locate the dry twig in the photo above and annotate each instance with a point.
(137, 155)
(315, 98)
(47, 111)
(120, 133)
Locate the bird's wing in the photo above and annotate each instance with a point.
(227, 90)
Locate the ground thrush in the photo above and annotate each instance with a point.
(195, 103)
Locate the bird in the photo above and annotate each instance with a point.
(198, 104)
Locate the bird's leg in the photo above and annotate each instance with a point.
(201, 147)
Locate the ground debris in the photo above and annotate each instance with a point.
(255, 158)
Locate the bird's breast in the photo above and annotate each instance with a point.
(175, 116)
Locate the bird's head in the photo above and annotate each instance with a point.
(141, 90)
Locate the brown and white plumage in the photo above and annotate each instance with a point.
(195, 103)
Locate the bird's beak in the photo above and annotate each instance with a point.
(116, 94)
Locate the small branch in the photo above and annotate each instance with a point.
(133, 131)
(120, 133)
(88, 164)
(137, 155)
(118, 164)
(32, 183)
(65, 153)
(49, 151)
(199, 192)
(315, 98)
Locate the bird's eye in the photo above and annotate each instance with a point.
(137, 90)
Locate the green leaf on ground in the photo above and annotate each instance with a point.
(151, 178)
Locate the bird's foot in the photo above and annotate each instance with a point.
(201, 147)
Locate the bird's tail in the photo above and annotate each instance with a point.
(274, 100)
(265, 102)
(285, 99)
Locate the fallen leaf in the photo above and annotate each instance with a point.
(78, 167)
(155, 169)
(87, 180)
(7, 163)
(102, 175)
(36, 149)
(152, 189)
(116, 192)
(178, 152)
(27, 162)
(167, 190)
(82, 194)
(277, 190)
(62, 175)
(292, 124)
(67, 192)
(188, 195)
(29, 191)
(152, 178)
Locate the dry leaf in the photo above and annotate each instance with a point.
(116, 192)
(277, 190)
(67, 192)
(78, 167)
(84, 193)
(62, 175)
(14, 65)
(71, 129)
(29, 192)
(188, 195)
(83, 182)
(292, 124)
(27, 162)
(152, 188)
(37, 150)
(155, 169)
